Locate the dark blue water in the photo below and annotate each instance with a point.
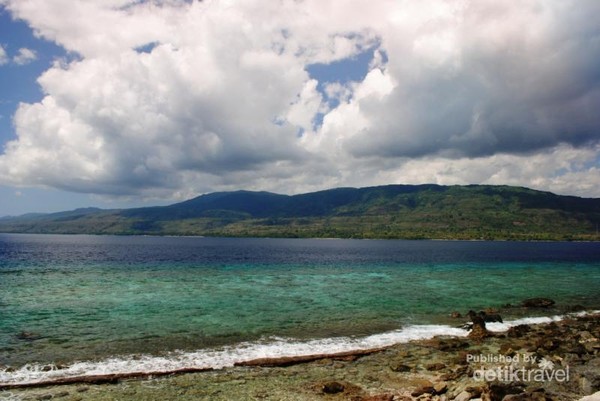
(93, 297)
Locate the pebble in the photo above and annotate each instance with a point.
(332, 388)
(464, 396)
(423, 390)
(440, 387)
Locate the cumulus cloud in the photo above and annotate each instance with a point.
(173, 98)
(3, 56)
(476, 79)
(24, 56)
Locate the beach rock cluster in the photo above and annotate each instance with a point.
(439, 369)
(538, 303)
(569, 344)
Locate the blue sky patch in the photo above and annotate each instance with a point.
(350, 69)
(147, 48)
(18, 83)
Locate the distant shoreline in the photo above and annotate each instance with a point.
(411, 212)
(311, 238)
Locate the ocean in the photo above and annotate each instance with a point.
(73, 305)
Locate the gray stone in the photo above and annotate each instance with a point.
(464, 396)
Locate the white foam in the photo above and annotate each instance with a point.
(535, 320)
(228, 356)
(225, 356)
(495, 326)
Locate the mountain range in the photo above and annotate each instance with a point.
(391, 211)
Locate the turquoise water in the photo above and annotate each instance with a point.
(86, 298)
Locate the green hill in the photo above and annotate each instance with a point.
(392, 211)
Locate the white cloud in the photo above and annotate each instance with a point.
(24, 56)
(563, 169)
(458, 92)
(484, 77)
(3, 56)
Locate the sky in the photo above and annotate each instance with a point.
(122, 103)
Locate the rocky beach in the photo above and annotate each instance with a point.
(558, 361)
